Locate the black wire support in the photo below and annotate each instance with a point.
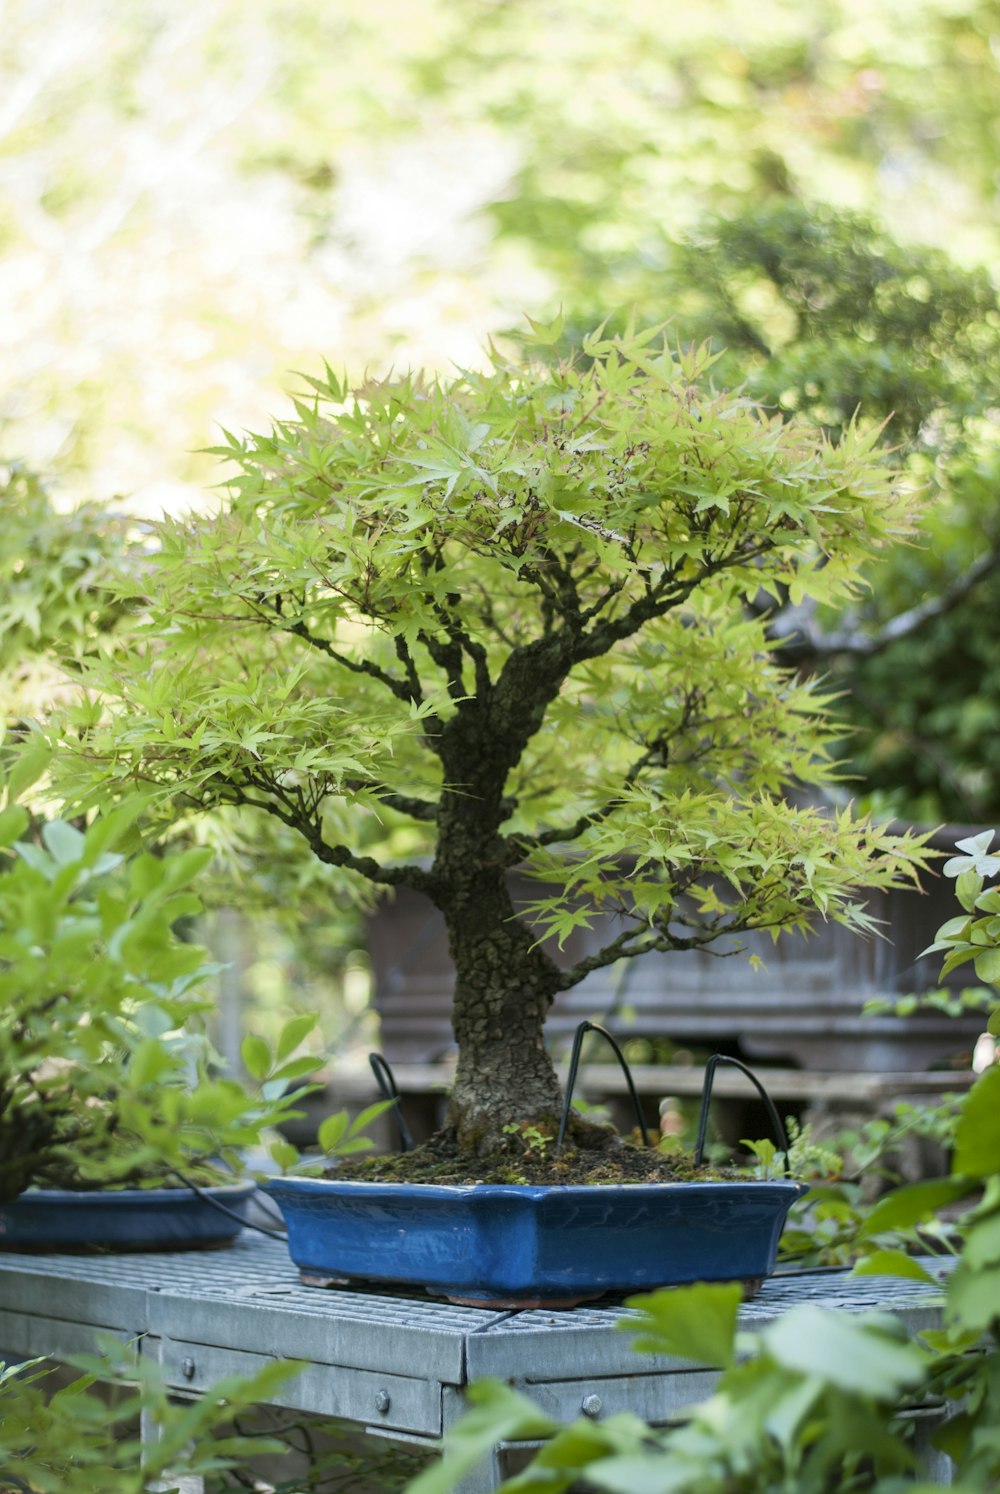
(574, 1064)
(777, 1126)
(386, 1082)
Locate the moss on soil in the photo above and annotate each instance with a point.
(437, 1161)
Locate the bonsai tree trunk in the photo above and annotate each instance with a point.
(505, 983)
(504, 987)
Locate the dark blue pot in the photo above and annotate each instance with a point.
(60, 1219)
(519, 1245)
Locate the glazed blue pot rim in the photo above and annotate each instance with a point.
(88, 1197)
(358, 1187)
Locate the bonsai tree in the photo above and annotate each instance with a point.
(515, 613)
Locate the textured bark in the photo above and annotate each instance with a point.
(504, 984)
(503, 990)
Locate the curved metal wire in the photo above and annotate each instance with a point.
(574, 1064)
(216, 1203)
(777, 1126)
(387, 1084)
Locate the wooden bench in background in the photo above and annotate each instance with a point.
(828, 1101)
(802, 1008)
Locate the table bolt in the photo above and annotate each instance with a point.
(591, 1406)
(188, 1368)
(382, 1401)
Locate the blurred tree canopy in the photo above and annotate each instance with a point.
(822, 314)
(195, 201)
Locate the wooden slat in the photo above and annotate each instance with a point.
(350, 1083)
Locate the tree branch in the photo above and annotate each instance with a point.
(477, 654)
(417, 809)
(806, 641)
(311, 832)
(624, 948)
(402, 689)
(597, 607)
(408, 689)
(517, 847)
(447, 656)
(406, 659)
(658, 599)
(407, 875)
(707, 938)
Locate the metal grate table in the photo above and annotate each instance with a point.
(393, 1365)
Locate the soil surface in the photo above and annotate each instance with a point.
(437, 1161)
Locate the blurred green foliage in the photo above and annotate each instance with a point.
(56, 596)
(82, 1436)
(107, 1077)
(824, 316)
(193, 202)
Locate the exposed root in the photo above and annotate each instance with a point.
(479, 1136)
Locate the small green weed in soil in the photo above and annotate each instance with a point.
(439, 1161)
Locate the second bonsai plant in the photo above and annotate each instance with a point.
(116, 1127)
(504, 621)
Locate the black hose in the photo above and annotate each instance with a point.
(574, 1064)
(780, 1134)
(216, 1203)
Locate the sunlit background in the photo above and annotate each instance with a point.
(196, 200)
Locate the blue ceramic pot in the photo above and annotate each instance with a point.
(525, 1246)
(60, 1219)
